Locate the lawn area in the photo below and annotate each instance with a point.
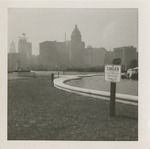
(38, 111)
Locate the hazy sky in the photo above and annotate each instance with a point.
(108, 28)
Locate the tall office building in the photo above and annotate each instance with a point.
(108, 57)
(12, 47)
(70, 53)
(126, 54)
(48, 53)
(77, 47)
(94, 56)
(25, 51)
(54, 54)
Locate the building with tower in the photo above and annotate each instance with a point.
(63, 54)
(71, 53)
(77, 47)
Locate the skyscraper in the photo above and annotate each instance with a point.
(126, 54)
(77, 48)
(94, 56)
(25, 50)
(12, 47)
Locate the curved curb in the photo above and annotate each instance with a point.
(60, 83)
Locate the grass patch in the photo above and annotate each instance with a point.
(37, 111)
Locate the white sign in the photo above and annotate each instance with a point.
(112, 73)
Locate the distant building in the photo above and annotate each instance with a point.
(63, 54)
(126, 54)
(17, 61)
(12, 47)
(108, 57)
(94, 56)
(22, 59)
(74, 54)
(48, 53)
(68, 51)
(54, 54)
(25, 51)
(77, 48)
(88, 56)
(13, 60)
(34, 60)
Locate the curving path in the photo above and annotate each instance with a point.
(60, 83)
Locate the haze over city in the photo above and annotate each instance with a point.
(108, 28)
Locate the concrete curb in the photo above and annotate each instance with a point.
(122, 98)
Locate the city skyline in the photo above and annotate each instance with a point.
(108, 28)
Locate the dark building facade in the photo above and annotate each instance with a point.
(12, 47)
(74, 54)
(48, 53)
(13, 60)
(22, 59)
(94, 56)
(77, 48)
(63, 54)
(54, 54)
(25, 51)
(108, 57)
(126, 54)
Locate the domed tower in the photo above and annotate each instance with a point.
(76, 35)
(77, 48)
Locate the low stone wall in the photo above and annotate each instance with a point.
(60, 83)
(125, 86)
(19, 75)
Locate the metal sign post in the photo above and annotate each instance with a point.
(112, 74)
(112, 99)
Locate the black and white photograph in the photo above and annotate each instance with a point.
(58, 87)
(74, 74)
